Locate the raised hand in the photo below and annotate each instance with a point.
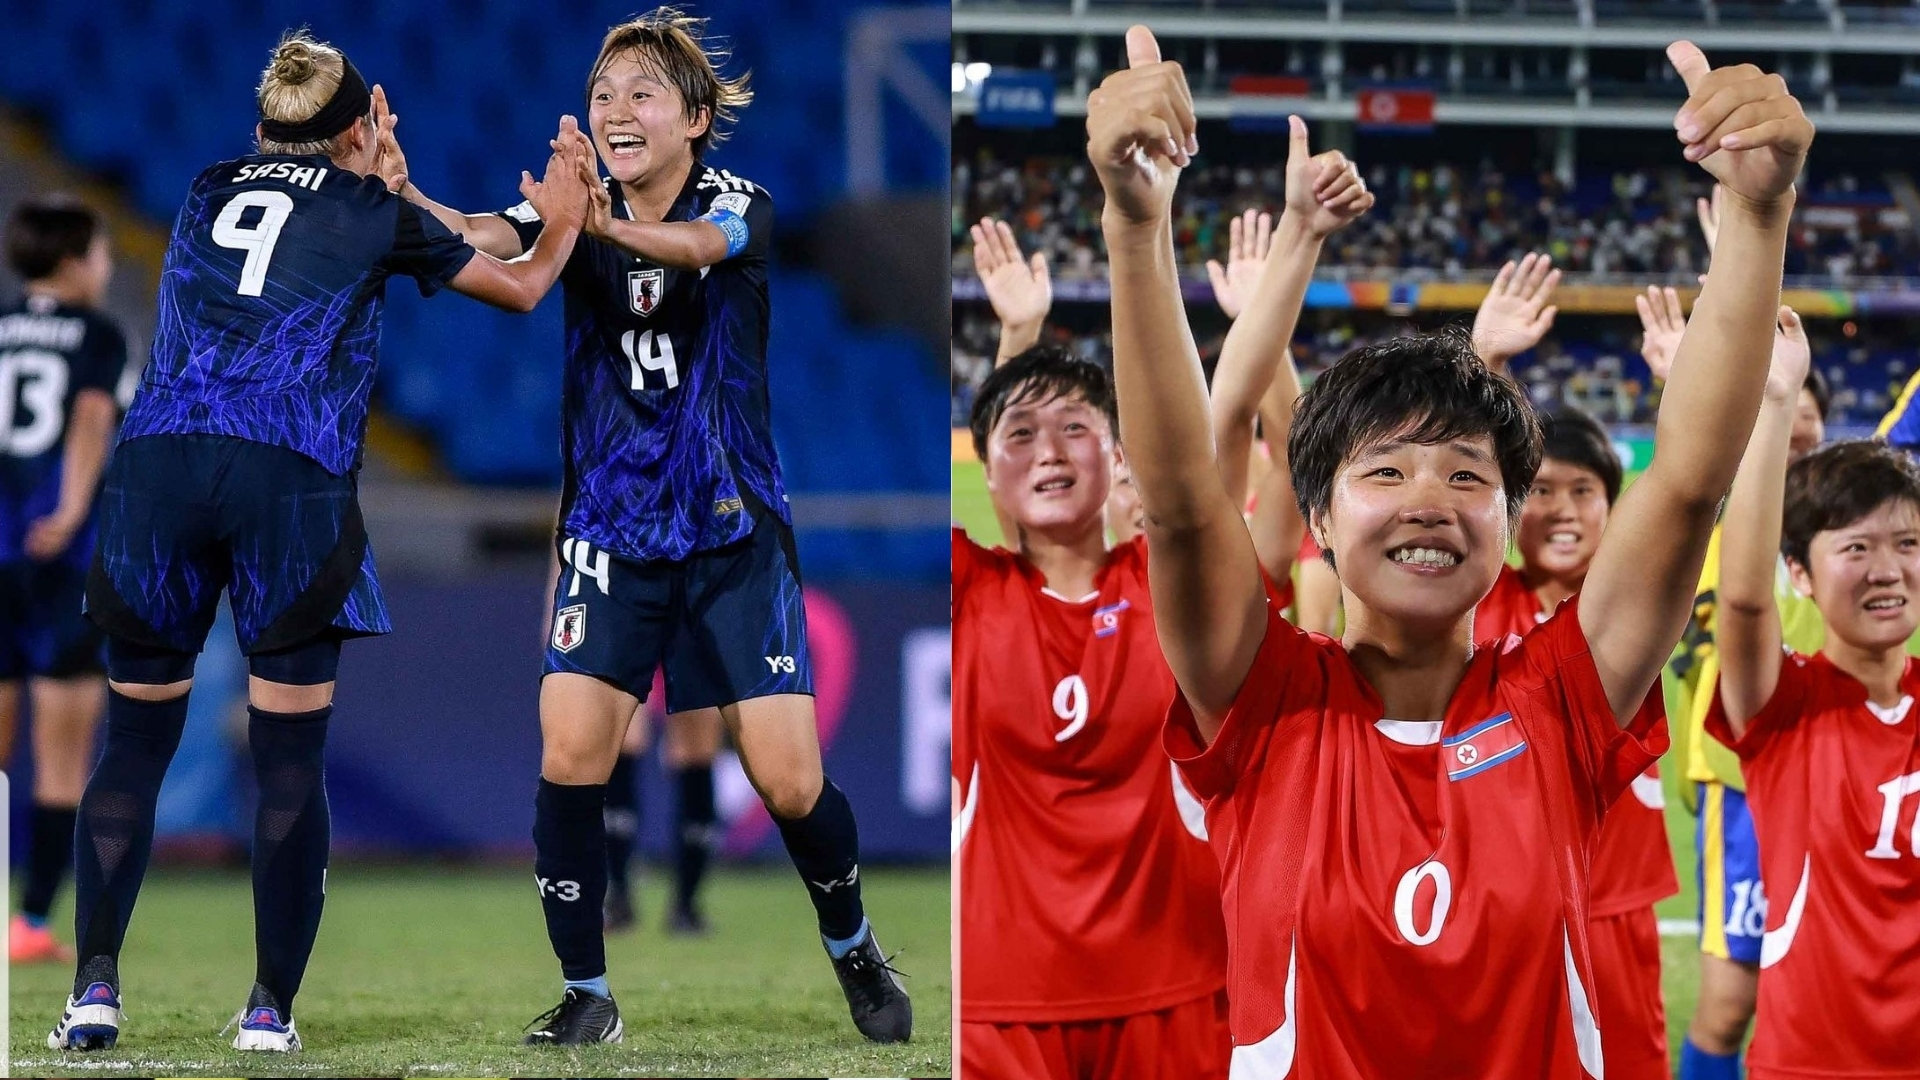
(561, 196)
(1324, 190)
(389, 163)
(1708, 210)
(1741, 125)
(1661, 325)
(1516, 315)
(1791, 357)
(1020, 290)
(1141, 132)
(1248, 238)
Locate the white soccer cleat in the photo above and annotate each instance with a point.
(262, 1029)
(89, 1022)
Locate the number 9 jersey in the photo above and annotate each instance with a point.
(667, 430)
(270, 303)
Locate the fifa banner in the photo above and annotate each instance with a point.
(435, 740)
(1016, 99)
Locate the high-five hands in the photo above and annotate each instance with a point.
(1141, 132)
(561, 196)
(389, 164)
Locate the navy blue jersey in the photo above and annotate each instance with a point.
(667, 429)
(270, 304)
(49, 353)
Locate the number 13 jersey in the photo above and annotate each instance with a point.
(666, 426)
(1408, 898)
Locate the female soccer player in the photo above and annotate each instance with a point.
(1632, 867)
(1403, 820)
(674, 520)
(237, 468)
(1828, 743)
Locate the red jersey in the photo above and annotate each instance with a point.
(1408, 898)
(1633, 859)
(1832, 782)
(1089, 888)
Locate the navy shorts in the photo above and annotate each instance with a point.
(51, 638)
(728, 624)
(184, 516)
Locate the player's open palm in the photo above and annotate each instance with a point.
(560, 197)
(1518, 311)
(389, 163)
(1661, 325)
(1020, 290)
(1324, 190)
(1141, 131)
(1248, 238)
(1792, 355)
(1741, 124)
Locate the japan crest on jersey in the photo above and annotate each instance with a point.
(644, 288)
(569, 627)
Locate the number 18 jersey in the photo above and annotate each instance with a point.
(270, 302)
(1408, 897)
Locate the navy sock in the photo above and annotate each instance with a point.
(1697, 1064)
(114, 834)
(825, 846)
(51, 831)
(570, 868)
(623, 821)
(291, 834)
(693, 849)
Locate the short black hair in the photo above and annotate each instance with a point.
(1816, 384)
(1428, 388)
(1040, 375)
(1575, 437)
(1839, 484)
(43, 232)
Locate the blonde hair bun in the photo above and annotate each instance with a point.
(294, 63)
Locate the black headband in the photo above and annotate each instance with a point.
(350, 101)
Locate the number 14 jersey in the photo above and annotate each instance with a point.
(1408, 898)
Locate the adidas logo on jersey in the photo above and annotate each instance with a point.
(724, 180)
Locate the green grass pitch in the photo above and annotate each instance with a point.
(973, 511)
(431, 971)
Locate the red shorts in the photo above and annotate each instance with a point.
(1186, 1042)
(1626, 995)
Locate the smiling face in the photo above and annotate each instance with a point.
(1050, 463)
(1561, 523)
(1865, 576)
(1418, 531)
(638, 119)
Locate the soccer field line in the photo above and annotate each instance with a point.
(1679, 928)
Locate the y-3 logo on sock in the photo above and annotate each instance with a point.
(565, 890)
(849, 881)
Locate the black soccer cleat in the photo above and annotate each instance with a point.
(579, 1019)
(875, 997)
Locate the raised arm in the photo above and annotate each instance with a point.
(1747, 625)
(1020, 290)
(1208, 601)
(1324, 193)
(519, 284)
(488, 233)
(1517, 311)
(683, 245)
(1276, 525)
(1743, 126)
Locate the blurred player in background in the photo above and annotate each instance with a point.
(1829, 742)
(691, 740)
(674, 522)
(1353, 777)
(60, 362)
(1632, 865)
(255, 401)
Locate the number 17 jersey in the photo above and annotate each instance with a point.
(666, 426)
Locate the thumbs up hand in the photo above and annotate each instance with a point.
(1741, 124)
(1324, 191)
(1141, 132)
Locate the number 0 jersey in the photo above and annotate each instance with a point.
(49, 353)
(1087, 889)
(270, 302)
(1833, 783)
(1408, 898)
(667, 429)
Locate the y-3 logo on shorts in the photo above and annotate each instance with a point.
(777, 665)
(569, 627)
